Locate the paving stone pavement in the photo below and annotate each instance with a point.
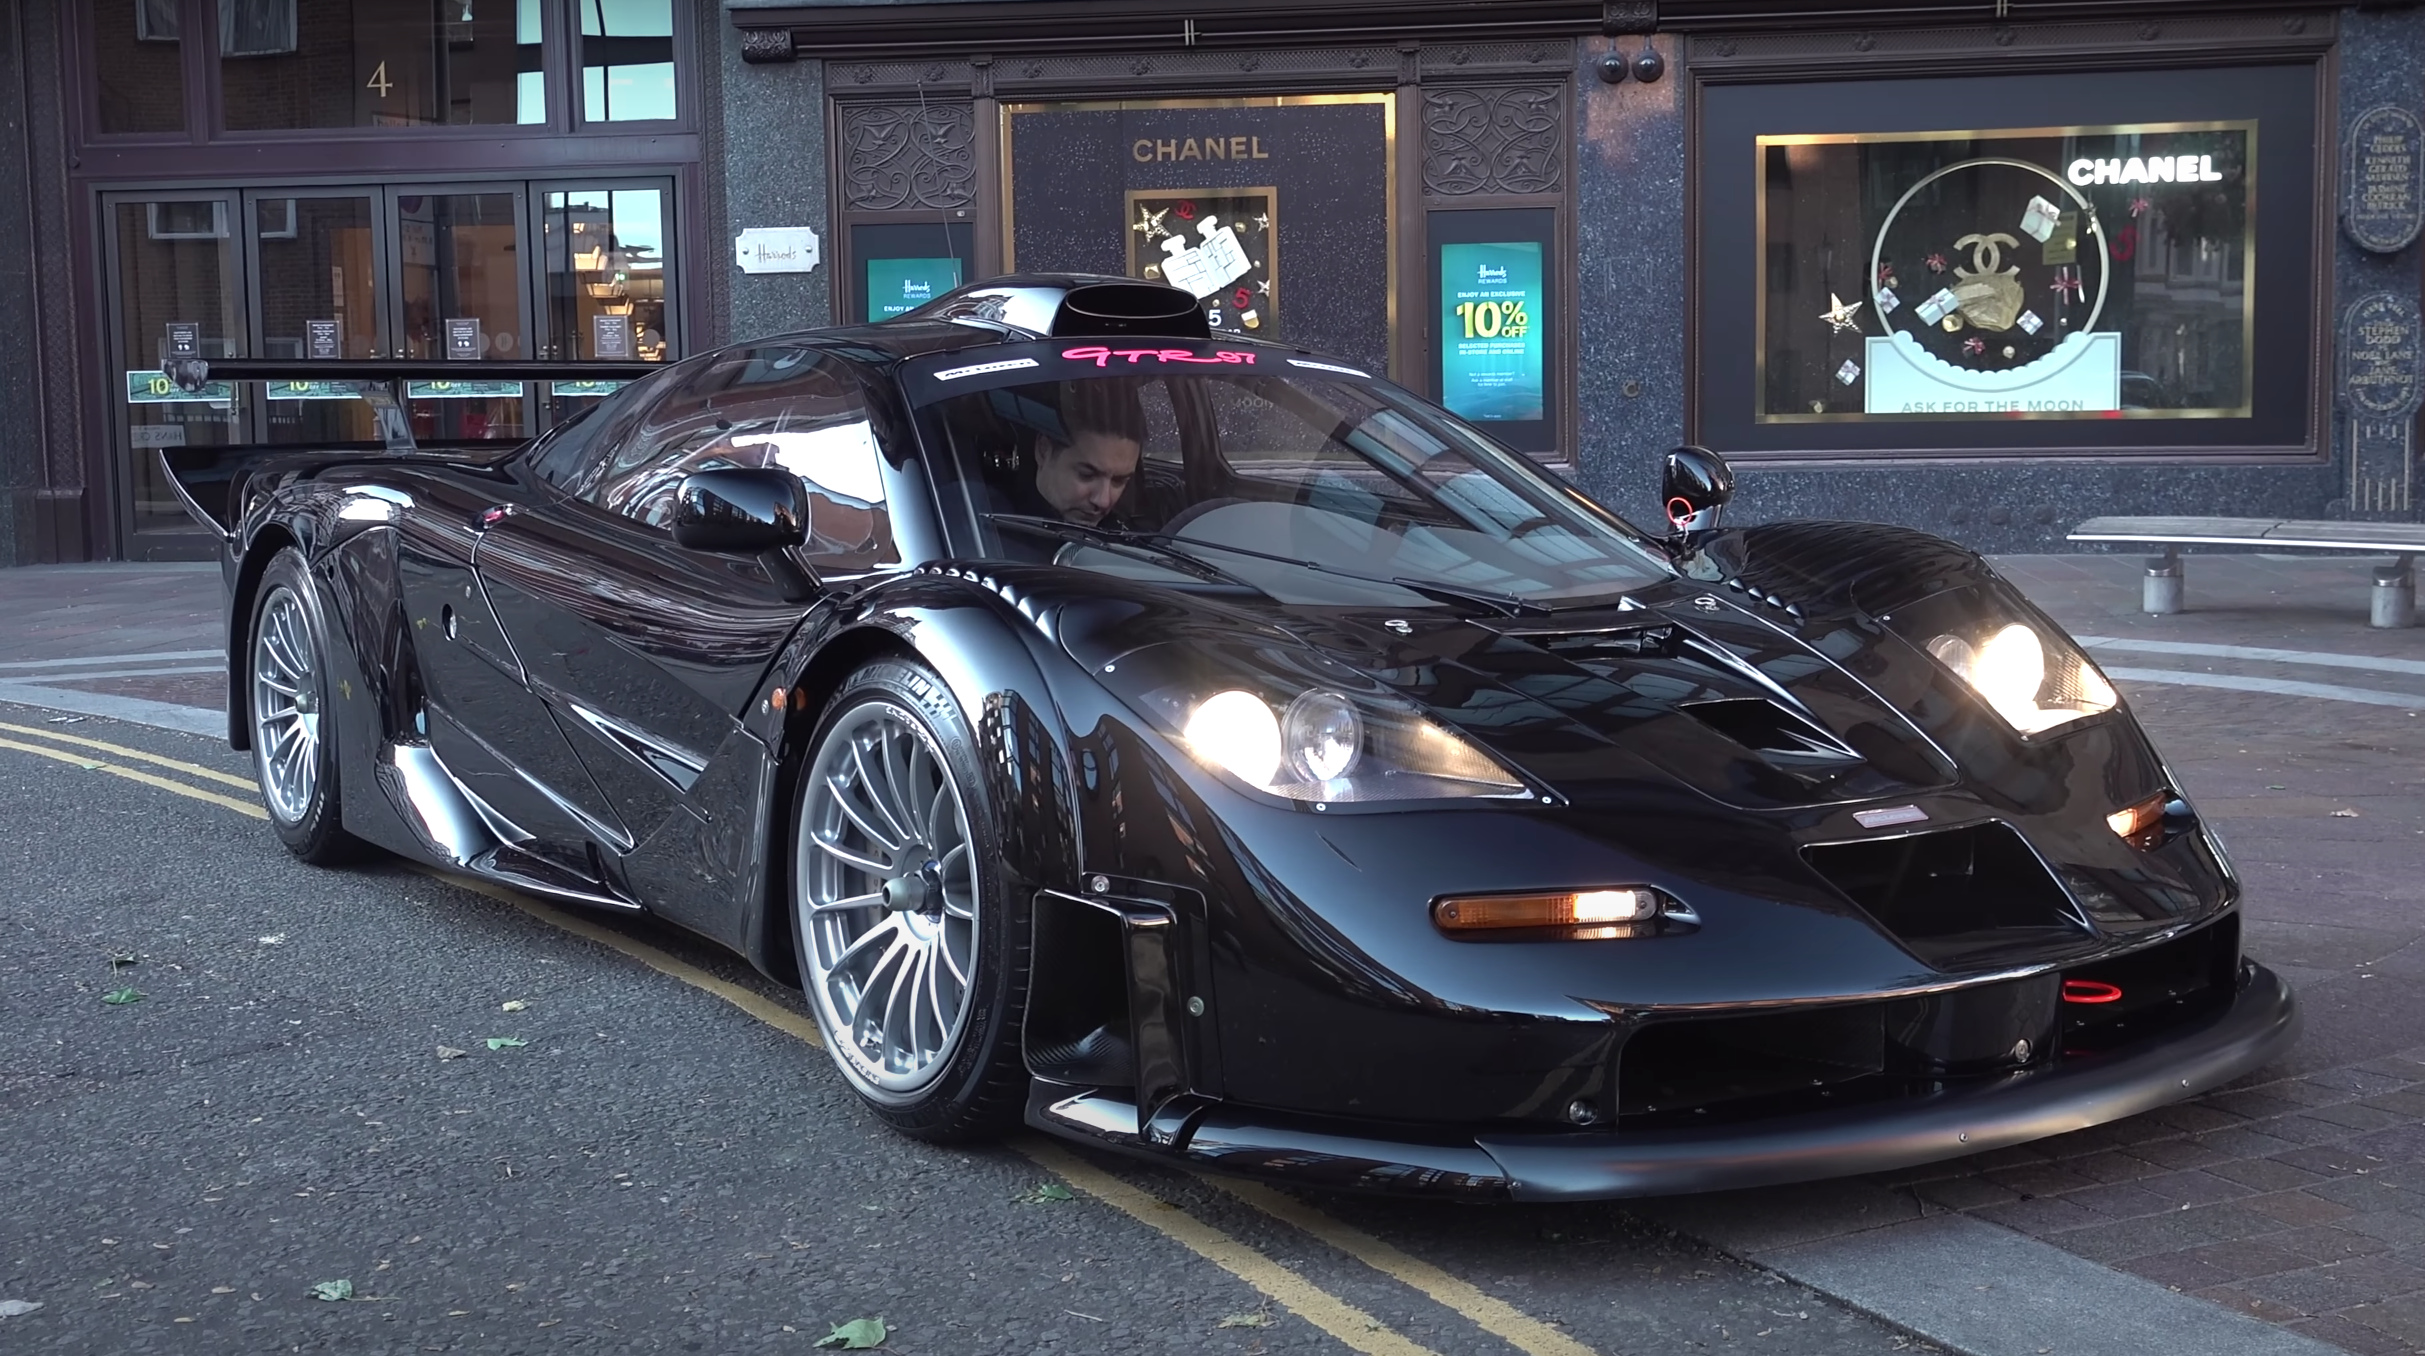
(2296, 1195)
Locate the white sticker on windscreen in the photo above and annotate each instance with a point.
(1328, 367)
(980, 369)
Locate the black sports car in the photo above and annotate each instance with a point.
(1209, 749)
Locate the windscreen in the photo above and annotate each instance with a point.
(1306, 480)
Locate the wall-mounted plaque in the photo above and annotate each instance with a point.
(2382, 356)
(463, 339)
(2383, 181)
(323, 339)
(2382, 383)
(610, 337)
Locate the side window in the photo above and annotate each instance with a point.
(581, 453)
(792, 408)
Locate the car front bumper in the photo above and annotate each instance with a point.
(1972, 1117)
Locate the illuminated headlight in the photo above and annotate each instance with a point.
(2034, 687)
(1308, 742)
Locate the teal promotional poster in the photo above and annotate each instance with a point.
(898, 285)
(1490, 351)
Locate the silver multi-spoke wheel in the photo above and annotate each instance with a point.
(286, 705)
(885, 881)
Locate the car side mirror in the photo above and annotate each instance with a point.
(748, 511)
(1695, 483)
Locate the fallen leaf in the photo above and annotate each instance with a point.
(1257, 1320)
(450, 1052)
(122, 997)
(506, 1042)
(860, 1334)
(333, 1290)
(1049, 1191)
(18, 1308)
(512, 1005)
(2344, 814)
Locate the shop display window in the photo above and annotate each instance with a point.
(1873, 280)
(2063, 273)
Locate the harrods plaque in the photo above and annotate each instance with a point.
(2383, 182)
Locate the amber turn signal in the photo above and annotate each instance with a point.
(2140, 825)
(1559, 909)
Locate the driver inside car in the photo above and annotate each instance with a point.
(1079, 472)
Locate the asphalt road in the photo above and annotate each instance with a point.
(661, 1161)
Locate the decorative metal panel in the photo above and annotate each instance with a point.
(908, 155)
(1493, 139)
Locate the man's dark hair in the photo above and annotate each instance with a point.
(1107, 406)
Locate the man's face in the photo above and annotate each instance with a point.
(1083, 480)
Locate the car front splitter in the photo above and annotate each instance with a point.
(2261, 1022)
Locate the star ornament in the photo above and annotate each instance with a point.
(1149, 224)
(1841, 315)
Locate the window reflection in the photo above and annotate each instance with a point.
(380, 63)
(627, 60)
(140, 66)
(605, 253)
(176, 263)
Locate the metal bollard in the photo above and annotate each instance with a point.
(2395, 594)
(2162, 593)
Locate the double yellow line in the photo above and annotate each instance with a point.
(1352, 1326)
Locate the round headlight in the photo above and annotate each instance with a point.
(1323, 735)
(1237, 731)
(2010, 669)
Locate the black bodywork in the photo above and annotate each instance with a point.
(529, 690)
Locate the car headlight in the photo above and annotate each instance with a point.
(1296, 736)
(2030, 675)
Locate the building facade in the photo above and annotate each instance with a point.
(1982, 268)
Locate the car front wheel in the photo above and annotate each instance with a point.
(912, 945)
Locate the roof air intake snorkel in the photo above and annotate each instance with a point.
(1114, 309)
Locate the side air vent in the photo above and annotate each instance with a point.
(1959, 899)
(1115, 310)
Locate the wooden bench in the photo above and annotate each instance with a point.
(2395, 584)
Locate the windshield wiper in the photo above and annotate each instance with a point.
(1135, 545)
(1505, 604)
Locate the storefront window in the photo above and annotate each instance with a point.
(175, 266)
(627, 60)
(606, 274)
(380, 63)
(2025, 262)
(2075, 273)
(140, 65)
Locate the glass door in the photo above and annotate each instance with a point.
(173, 265)
(606, 279)
(463, 294)
(316, 264)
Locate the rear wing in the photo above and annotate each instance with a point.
(212, 480)
(385, 383)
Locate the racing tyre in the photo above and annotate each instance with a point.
(294, 744)
(912, 943)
